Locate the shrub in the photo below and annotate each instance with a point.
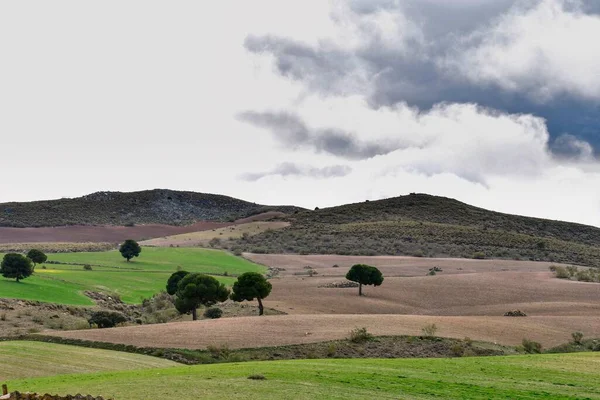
(106, 319)
(87, 267)
(531, 346)
(561, 273)
(214, 242)
(360, 335)
(552, 268)
(577, 337)
(213, 313)
(468, 341)
(331, 350)
(479, 255)
(335, 266)
(457, 350)
(257, 377)
(572, 270)
(584, 276)
(219, 352)
(515, 313)
(429, 330)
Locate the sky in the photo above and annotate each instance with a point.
(315, 103)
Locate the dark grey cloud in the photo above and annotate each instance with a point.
(413, 73)
(292, 132)
(295, 170)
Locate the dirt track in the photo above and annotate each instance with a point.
(245, 332)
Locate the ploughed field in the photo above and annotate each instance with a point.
(556, 376)
(467, 298)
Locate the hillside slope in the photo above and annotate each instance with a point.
(146, 207)
(430, 226)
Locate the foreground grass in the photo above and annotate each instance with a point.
(111, 274)
(564, 376)
(31, 359)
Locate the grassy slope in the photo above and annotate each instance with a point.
(565, 376)
(429, 226)
(146, 207)
(132, 281)
(32, 359)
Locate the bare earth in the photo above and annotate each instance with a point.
(110, 234)
(246, 332)
(468, 298)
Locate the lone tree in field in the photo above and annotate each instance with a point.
(37, 257)
(364, 275)
(174, 281)
(16, 266)
(129, 249)
(250, 286)
(194, 290)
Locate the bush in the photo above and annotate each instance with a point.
(429, 330)
(257, 377)
(479, 255)
(532, 347)
(572, 270)
(106, 319)
(331, 350)
(577, 337)
(213, 313)
(457, 350)
(584, 276)
(515, 313)
(87, 267)
(562, 273)
(360, 335)
(214, 242)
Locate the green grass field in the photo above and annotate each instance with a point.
(111, 274)
(556, 376)
(31, 359)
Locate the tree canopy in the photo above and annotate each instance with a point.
(37, 256)
(364, 275)
(16, 266)
(194, 290)
(174, 281)
(250, 286)
(129, 249)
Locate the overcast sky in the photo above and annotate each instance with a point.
(312, 103)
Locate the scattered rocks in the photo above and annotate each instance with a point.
(340, 285)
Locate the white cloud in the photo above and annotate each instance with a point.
(545, 48)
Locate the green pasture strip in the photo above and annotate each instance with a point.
(22, 359)
(555, 376)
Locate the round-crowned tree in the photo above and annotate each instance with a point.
(364, 275)
(174, 281)
(16, 266)
(36, 256)
(129, 249)
(250, 286)
(194, 290)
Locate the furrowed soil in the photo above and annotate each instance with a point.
(468, 298)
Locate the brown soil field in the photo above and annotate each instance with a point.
(201, 238)
(247, 332)
(111, 234)
(467, 298)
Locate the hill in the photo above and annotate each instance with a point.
(157, 206)
(429, 226)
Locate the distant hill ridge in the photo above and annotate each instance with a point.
(428, 226)
(159, 206)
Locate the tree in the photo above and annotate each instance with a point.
(174, 281)
(129, 249)
(16, 266)
(37, 257)
(364, 275)
(250, 286)
(194, 290)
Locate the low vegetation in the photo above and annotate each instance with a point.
(126, 209)
(64, 279)
(428, 226)
(550, 376)
(576, 273)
